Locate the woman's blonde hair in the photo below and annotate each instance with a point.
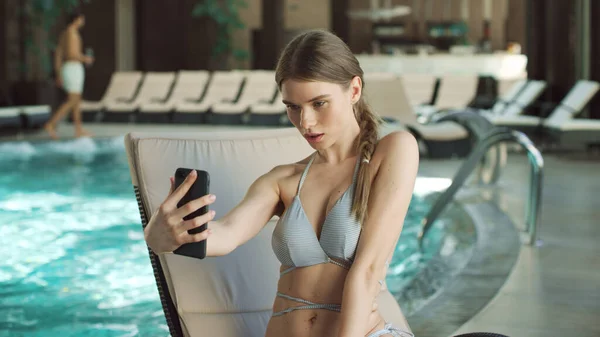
(322, 56)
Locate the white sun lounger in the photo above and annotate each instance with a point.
(259, 87)
(385, 94)
(155, 86)
(35, 116)
(525, 98)
(223, 86)
(123, 86)
(273, 113)
(455, 93)
(189, 86)
(570, 106)
(10, 119)
(419, 88)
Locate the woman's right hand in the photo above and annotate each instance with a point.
(166, 231)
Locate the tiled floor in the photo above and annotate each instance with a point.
(554, 290)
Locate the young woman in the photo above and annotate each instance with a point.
(341, 209)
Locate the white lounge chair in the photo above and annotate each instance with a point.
(522, 97)
(122, 87)
(419, 88)
(507, 85)
(155, 86)
(564, 128)
(189, 85)
(223, 86)
(24, 117)
(387, 97)
(501, 104)
(576, 131)
(505, 98)
(35, 116)
(232, 295)
(273, 113)
(10, 119)
(571, 105)
(259, 87)
(455, 93)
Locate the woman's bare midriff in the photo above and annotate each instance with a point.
(321, 284)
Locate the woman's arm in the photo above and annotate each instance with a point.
(166, 230)
(245, 220)
(389, 199)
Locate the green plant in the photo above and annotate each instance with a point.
(225, 13)
(42, 16)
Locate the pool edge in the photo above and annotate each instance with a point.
(492, 260)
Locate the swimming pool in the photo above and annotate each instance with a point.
(75, 262)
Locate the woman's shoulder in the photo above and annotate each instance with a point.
(289, 170)
(394, 142)
(396, 139)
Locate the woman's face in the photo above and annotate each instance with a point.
(320, 110)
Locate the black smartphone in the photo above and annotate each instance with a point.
(199, 189)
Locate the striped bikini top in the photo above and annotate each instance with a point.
(295, 242)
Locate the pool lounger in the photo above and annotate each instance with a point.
(189, 85)
(223, 87)
(232, 295)
(36, 116)
(569, 107)
(122, 87)
(386, 95)
(10, 119)
(155, 87)
(259, 87)
(269, 114)
(454, 92)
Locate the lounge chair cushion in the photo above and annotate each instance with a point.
(9, 112)
(230, 295)
(36, 109)
(442, 131)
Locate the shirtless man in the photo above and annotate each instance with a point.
(70, 74)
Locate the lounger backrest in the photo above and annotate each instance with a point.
(122, 85)
(155, 85)
(259, 86)
(573, 103)
(508, 96)
(270, 104)
(189, 85)
(228, 296)
(456, 91)
(231, 295)
(419, 88)
(506, 86)
(528, 96)
(278, 100)
(223, 85)
(386, 95)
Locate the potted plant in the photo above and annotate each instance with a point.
(225, 15)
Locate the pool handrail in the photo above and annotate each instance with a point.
(494, 137)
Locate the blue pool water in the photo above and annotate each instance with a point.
(74, 258)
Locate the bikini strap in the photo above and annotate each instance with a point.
(305, 172)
